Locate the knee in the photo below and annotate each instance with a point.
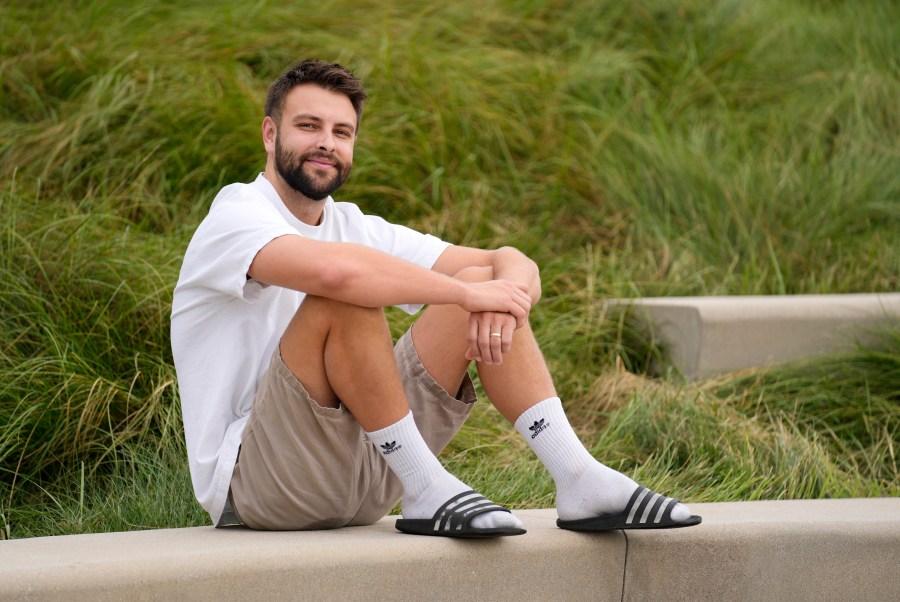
(475, 273)
(326, 310)
(324, 304)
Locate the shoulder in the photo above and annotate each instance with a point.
(238, 193)
(240, 205)
(351, 213)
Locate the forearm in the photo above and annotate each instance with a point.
(395, 281)
(352, 273)
(506, 263)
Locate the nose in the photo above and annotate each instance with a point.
(326, 140)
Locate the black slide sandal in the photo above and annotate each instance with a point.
(645, 510)
(454, 519)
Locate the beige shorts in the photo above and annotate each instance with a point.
(303, 466)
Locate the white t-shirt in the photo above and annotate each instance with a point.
(225, 326)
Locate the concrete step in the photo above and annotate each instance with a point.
(706, 336)
(779, 550)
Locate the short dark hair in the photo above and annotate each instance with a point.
(331, 76)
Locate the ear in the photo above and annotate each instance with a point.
(269, 134)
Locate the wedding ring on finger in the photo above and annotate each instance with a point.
(496, 334)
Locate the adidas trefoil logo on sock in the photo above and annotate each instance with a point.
(388, 448)
(538, 427)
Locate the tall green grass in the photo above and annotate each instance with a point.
(659, 147)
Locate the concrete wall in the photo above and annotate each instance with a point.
(779, 550)
(706, 336)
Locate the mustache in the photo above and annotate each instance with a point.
(320, 155)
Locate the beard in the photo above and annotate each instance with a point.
(313, 186)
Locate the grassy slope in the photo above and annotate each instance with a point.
(649, 148)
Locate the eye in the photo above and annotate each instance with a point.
(343, 133)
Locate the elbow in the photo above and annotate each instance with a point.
(345, 280)
(333, 279)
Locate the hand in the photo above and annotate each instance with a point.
(500, 296)
(484, 345)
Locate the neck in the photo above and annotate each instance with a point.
(302, 207)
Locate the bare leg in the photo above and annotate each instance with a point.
(521, 381)
(521, 387)
(343, 354)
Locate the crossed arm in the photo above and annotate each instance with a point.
(507, 264)
(363, 276)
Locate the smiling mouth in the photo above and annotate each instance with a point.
(319, 163)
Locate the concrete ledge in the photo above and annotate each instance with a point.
(706, 336)
(786, 550)
(360, 563)
(789, 550)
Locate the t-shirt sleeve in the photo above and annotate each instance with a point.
(405, 243)
(239, 224)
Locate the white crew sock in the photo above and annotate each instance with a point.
(426, 484)
(584, 486)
